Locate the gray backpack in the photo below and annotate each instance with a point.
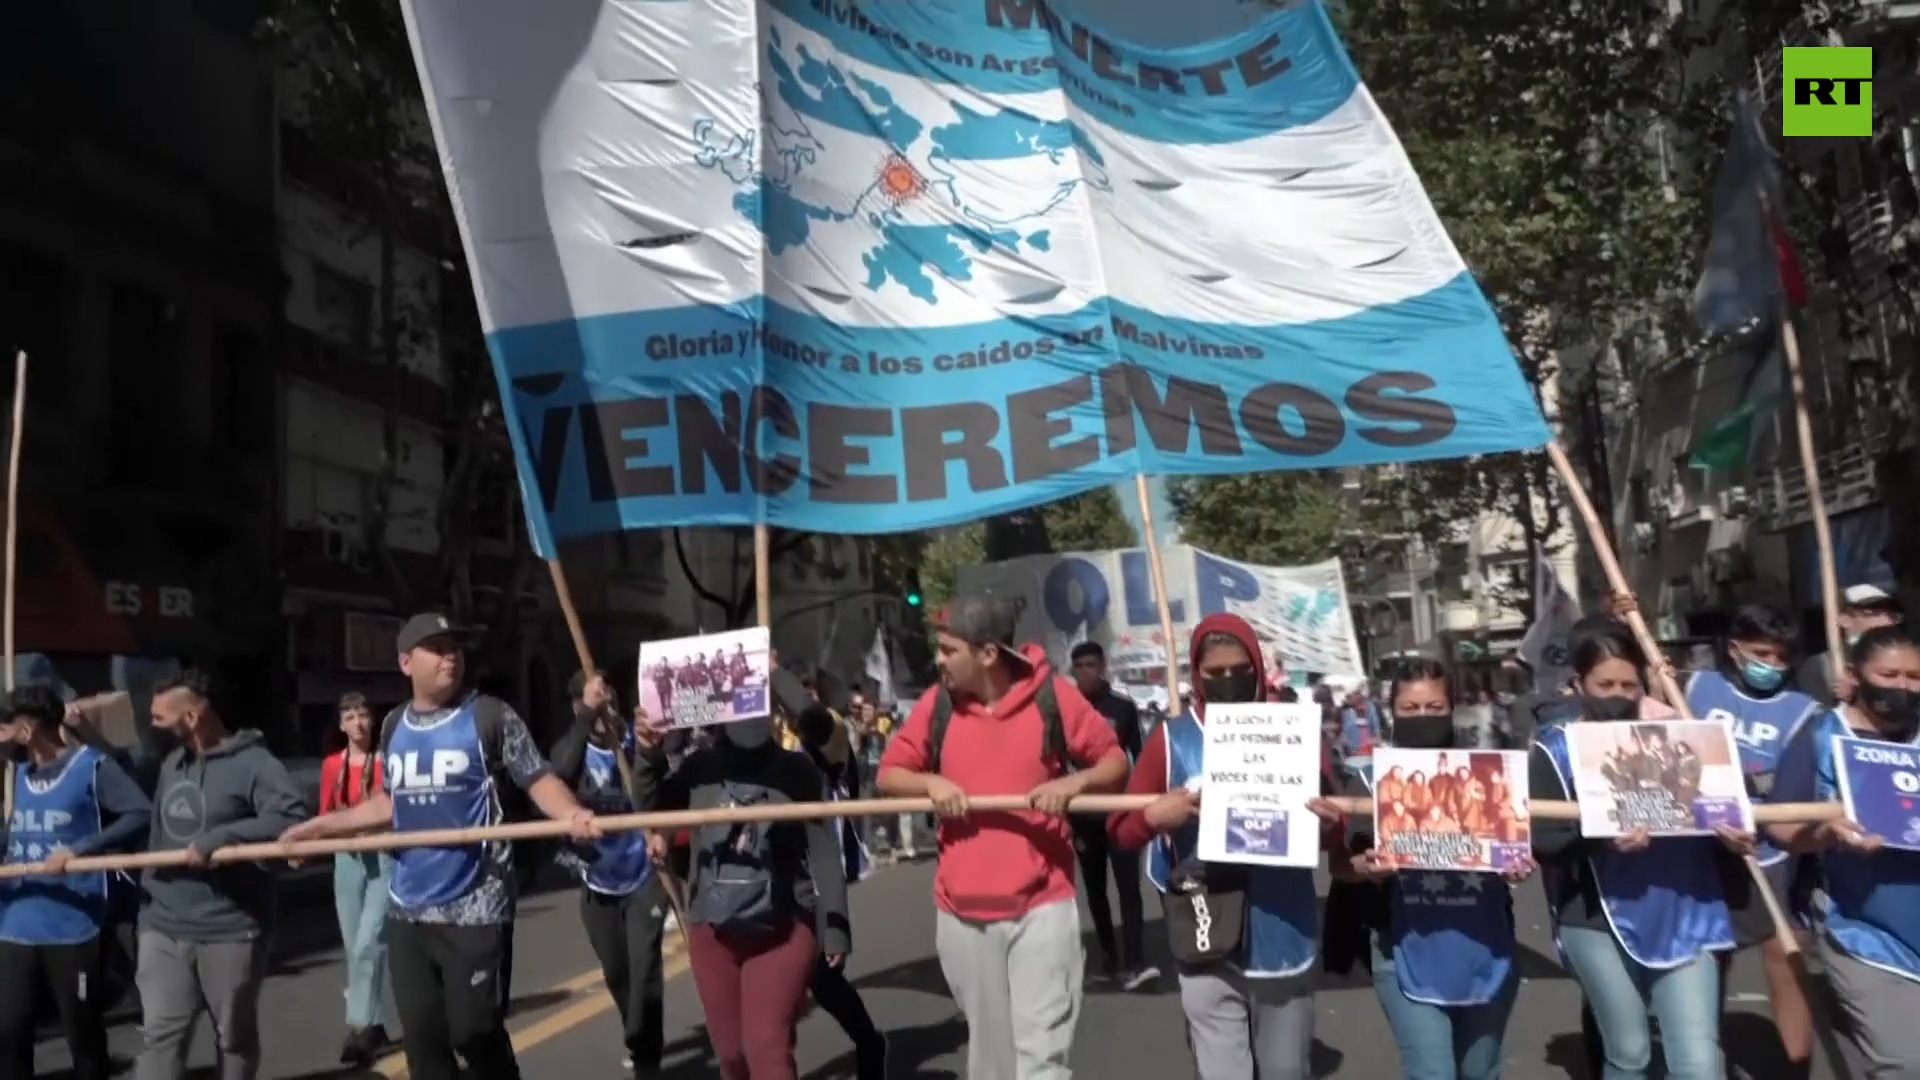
(735, 885)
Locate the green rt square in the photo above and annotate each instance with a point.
(1829, 91)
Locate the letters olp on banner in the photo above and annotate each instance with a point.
(1108, 597)
(864, 267)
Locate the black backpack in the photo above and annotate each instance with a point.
(736, 883)
(1053, 739)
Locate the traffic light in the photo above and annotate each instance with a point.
(913, 599)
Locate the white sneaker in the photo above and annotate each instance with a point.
(1138, 978)
(671, 923)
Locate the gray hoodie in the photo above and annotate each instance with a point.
(236, 793)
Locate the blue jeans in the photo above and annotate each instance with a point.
(1461, 1042)
(360, 899)
(1685, 1000)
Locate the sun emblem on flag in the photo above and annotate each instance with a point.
(899, 181)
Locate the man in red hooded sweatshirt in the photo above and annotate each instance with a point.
(1008, 931)
(1251, 1014)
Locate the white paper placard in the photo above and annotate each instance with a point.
(1261, 765)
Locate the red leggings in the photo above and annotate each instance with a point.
(752, 988)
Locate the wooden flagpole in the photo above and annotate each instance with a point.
(13, 546)
(1159, 571)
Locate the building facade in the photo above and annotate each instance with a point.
(138, 272)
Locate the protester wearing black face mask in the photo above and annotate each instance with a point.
(1610, 679)
(1369, 920)
(1868, 913)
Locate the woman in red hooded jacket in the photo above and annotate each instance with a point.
(1249, 1012)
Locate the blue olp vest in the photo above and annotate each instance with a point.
(1282, 938)
(1872, 902)
(1762, 727)
(52, 812)
(1450, 934)
(1667, 904)
(622, 866)
(439, 779)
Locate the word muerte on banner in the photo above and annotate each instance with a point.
(1261, 766)
(1107, 597)
(710, 679)
(943, 259)
(1669, 777)
(1451, 809)
(1880, 787)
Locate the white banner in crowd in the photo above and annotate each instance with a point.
(1548, 646)
(1107, 597)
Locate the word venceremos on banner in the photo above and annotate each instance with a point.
(946, 259)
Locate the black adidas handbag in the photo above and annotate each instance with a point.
(1206, 907)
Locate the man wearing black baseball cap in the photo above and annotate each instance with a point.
(449, 935)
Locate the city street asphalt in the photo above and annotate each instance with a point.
(564, 1024)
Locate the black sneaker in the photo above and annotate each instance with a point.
(358, 1049)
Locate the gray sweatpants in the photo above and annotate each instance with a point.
(1248, 1029)
(177, 979)
(1881, 1008)
(1018, 984)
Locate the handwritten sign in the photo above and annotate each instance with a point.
(1261, 765)
(1880, 787)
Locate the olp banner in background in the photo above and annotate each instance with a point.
(1108, 597)
(862, 267)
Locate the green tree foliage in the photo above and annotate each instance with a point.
(1273, 518)
(1542, 133)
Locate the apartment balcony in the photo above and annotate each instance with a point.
(1847, 482)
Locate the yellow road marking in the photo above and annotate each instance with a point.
(589, 986)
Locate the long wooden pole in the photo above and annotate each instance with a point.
(1159, 571)
(14, 440)
(1816, 500)
(763, 574)
(782, 812)
(13, 503)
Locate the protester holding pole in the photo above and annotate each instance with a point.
(623, 899)
(1001, 722)
(1748, 685)
(1870, 906)
(765, 901)
(450, 935)
(1442, 952)
(1637, 924)
(1248, 998)
(71, 801)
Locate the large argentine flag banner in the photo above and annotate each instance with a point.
(871, 265)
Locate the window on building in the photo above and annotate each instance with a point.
(241, 385)
(1509, 579)
(36, 316)
(345, 307)
(494, 505)
(1453, 575)
(143, 382)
